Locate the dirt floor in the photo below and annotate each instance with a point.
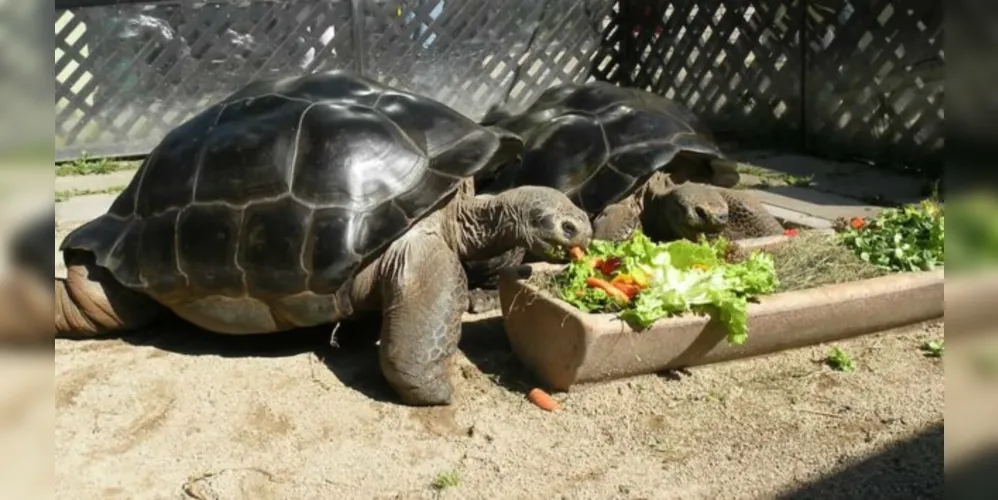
(177, 413)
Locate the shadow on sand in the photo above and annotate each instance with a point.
(908, 470)
(354, 359)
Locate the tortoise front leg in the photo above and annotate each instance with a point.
(424, 292)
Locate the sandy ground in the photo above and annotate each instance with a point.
(177, 413)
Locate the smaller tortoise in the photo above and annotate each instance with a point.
(303, 201)
(668, 211)
(598, 143)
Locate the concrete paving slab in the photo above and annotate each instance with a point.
(79, 209)
(852, 179)
(814, 203)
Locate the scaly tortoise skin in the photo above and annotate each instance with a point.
(302, 201)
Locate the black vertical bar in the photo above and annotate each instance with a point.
(802, 40)
(628, 49)
(359, 37)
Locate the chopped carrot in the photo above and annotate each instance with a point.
(628, 289)
(576, 253)
(542, 399)
(857, 223)
(791, 232)
(610, 290)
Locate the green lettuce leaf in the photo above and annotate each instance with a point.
(684, 277)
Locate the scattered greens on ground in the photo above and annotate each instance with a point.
(838, 360)
(70, 193)
(798, 181)
(667, 279)
(445, 480)
(86, 165)
(768, 178)
(973, 239)
(934, 348)
(908, 238)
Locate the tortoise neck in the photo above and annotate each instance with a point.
(486, 227)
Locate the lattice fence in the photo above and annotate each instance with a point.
(128, 72)
(844, 78)
(875, 81)
(736, 64)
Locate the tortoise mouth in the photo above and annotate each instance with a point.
(555, 253)
(708, 230)
(550, 252)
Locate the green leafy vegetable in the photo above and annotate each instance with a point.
(675, 278)
(934, 348)
(840, 361)
(910, 238)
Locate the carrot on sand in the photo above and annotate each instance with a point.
(542, 399)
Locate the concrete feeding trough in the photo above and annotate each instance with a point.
(564, 346)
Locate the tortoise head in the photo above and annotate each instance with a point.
(693, 209)
(547, 222)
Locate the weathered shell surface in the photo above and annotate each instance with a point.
(284, 188)
(598, 142)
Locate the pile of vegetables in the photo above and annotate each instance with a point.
(908, 238)
(643, 281)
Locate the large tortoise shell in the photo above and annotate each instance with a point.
(285, 187)
(597, 142)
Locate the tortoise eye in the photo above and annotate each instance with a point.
(702, 214)
(569, 229)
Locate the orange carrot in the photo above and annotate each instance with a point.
(630, 280)
(628, 289)
(542, 399)
(857, 223)
(610, 290)
(576, 253)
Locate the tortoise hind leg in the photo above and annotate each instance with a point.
(90, 302)
(423, 295)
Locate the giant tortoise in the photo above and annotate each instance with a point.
(300, 202)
